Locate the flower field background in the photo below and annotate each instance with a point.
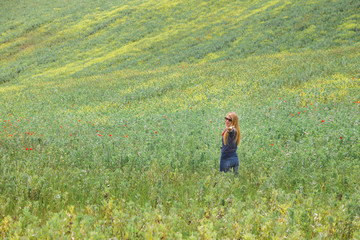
(112, 114)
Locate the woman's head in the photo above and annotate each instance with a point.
(232, 120)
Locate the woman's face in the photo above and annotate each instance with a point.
(228, 121)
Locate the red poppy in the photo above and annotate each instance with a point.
(272, 144)
(211, 121)
(155, 132)
(322, 121)
(110, 135)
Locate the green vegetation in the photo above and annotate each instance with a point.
(112, 115)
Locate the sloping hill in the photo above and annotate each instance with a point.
(79, 38)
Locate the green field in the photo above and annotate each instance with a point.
(112, 114)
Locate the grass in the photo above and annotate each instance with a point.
(112, 118)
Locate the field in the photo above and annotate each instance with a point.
(112, 114)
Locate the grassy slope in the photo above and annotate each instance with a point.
(81, 69)
(82, 39)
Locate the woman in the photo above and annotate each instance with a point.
(230, 140)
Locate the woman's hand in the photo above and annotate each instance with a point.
(229, 129)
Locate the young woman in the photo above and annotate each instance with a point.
(230, 139)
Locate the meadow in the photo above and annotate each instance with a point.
(112, 114)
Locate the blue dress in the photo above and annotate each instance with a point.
(229, 158)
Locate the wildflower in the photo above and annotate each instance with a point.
(340, 137)
(272, 144)
(211, 121)
(109, 135)
(155, 132)
(322, 121)
(27, 149)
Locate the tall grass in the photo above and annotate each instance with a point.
(112, 115)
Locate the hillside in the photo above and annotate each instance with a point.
(43, 39)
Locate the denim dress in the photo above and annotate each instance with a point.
(229, 158)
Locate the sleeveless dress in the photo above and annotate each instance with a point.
(229, 158)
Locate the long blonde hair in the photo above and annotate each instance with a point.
(234, 123)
